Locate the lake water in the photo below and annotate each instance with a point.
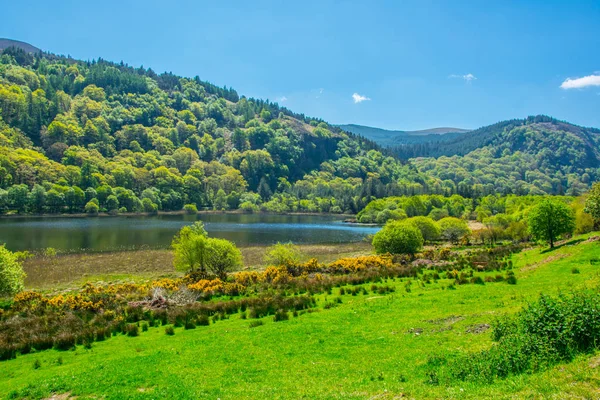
(119, 232)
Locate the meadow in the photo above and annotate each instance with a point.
(353, 343)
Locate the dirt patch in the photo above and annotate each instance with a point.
(448, 320)
(478, 328)
(63, 396)
(415, 331)
(593, 239)
(547, 260)
(594, 362)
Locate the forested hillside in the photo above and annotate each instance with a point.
(108, 137)
(536, 155)
(98, 136)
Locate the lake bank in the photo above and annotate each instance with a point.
(73, 270)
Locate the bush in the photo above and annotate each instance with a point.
(283, 254)
(92, 207)
(398, 238)
(453, 229)
(190, 209)
(546, 332)
(254, 324)
(12, 276)
(575, 270)
(511, 280)
(169, 330)
(429, 229)
(131, 330)
(64, 341)
(203, 320)
(281, 315)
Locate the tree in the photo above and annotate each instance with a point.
(112, 203)
(12, 276)
(283, 254)
(222, 256)
(92, 207)
(429, 229)
(37, 199)
(592, 204)
(189, 248)
(550, 219)
(398, 237)
(453, 229)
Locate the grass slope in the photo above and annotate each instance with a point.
(369, 346)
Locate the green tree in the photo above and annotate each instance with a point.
(12, 276)
(222, 256)
(592, 203)
(550, 219)
(453, 229)
(112, 203)
(398, 237)
(17, 197)
(189, 248)
(92, 207)
(37, 199)
(429, 229)
(283, 254)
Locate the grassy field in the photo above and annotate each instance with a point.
(369, 346)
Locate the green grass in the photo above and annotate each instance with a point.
(369, 346)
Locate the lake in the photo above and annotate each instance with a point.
(126, 232)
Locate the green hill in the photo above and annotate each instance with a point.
(391, 138)
(128, 138)
(535, 155)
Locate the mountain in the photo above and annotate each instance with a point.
(106, 136)
(5, 43)
(389, 138)
(535, 155)
(102, 136)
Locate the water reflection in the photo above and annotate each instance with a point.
(111, 233)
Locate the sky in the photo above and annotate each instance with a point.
(390, 64)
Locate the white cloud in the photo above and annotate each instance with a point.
(359, 98)
(282, 99)
(580, 83)
(467, 77)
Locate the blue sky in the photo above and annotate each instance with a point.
(390, 64)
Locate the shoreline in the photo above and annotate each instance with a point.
(180, 212)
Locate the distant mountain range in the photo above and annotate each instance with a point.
(5, 43)
(392, 138)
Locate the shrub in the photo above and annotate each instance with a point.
(398, 238)
(546, 332)
(12, 276)
(511, 280)
(37, 364)
(283, 254)
(429, 229)
(254, 324)
(64, 341)
(144, 327)
(190, 209)
(131, 330)
(575, 270)
(92, 207)
(281, 315)
(203, 320)
(169, 330)
(453, 229)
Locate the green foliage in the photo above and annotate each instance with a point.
(453, 229)
(283, 254)
(12, 276)
(549, 220)
(398, 237)
(592, 204)
(189, 248)
(190, 209)
(546, 332)
(428, 227)
(222, 256)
